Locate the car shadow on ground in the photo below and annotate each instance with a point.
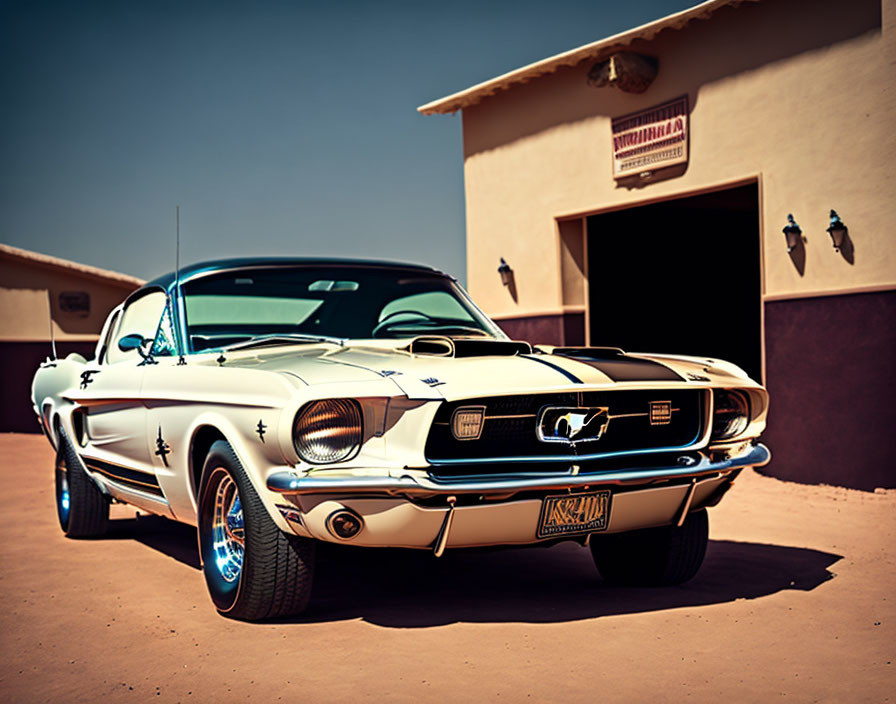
(409, 588)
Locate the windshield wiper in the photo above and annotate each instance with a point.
(283, 339)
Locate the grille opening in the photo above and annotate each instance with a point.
(509, 431)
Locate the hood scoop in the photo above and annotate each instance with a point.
(437, 346)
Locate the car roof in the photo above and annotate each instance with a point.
(198, 269)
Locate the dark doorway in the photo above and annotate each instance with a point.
(681, 276)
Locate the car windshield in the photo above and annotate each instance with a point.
(278, 304)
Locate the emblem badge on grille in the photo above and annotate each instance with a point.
(572, 425)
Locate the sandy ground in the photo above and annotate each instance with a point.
(795, 602)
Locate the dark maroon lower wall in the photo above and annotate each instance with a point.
(565, 329)
(831, 376)
(19, 361)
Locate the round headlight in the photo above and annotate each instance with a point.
(731, 414)
(327, 431)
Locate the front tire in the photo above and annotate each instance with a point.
(82, 509)
(252, 568)
(653, 557)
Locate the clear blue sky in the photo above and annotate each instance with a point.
(283, 128)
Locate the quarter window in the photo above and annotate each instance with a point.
(140, 317)
(165, 344)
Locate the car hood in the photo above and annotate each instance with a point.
(432, 369)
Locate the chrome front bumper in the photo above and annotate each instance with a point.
(286, 482)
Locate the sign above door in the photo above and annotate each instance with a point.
(651, 139)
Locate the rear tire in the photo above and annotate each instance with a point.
(252, 568)
(653, 557)
(82, 509)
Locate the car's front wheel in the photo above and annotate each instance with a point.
(253, 570)
(654, 556)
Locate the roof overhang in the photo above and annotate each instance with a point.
(595, 50)
(48, 262)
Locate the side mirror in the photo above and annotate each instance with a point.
(132, 342)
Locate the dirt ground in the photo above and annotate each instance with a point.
(795, 602)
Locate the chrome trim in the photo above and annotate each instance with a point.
(120, 491)
(287, 482)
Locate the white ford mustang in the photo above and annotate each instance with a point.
(277, 402)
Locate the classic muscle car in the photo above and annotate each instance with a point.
(274, 403)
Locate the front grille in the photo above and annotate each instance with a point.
(510, 424)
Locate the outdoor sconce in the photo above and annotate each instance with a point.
(793, 233)
(506, 273)
(837, 230)
(626, 70)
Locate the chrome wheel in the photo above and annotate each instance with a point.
(228, 532)
(253, 569)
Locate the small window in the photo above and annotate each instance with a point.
(165, 344)
(140, 317)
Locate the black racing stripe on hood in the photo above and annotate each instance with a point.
(624, 368)
(572, 377)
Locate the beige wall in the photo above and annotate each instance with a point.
(24, 313)
(799, 96)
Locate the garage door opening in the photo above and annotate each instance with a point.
(680, 276)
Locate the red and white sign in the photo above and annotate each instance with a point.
(651, 139)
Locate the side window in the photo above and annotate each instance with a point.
(141, 317)
(165, 345)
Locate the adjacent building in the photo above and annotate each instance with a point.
(37, 293)
(638, 189)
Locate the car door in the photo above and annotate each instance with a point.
(113, 412)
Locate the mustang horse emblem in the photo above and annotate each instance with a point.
(573, 424)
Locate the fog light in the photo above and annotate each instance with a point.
(466, 423)
(344, 524)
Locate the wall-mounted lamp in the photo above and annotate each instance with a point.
(793, 233)
(506, 273)
(837, 230)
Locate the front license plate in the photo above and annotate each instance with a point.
(571, 514)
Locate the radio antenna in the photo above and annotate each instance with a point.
(52, 332)
(174, 313)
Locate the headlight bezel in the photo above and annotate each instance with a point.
(330, 417)
(731, 414)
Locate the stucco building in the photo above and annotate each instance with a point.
(637, 188)
(32, 287)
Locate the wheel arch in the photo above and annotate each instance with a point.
(203, 438)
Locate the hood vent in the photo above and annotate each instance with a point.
(435, 346)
